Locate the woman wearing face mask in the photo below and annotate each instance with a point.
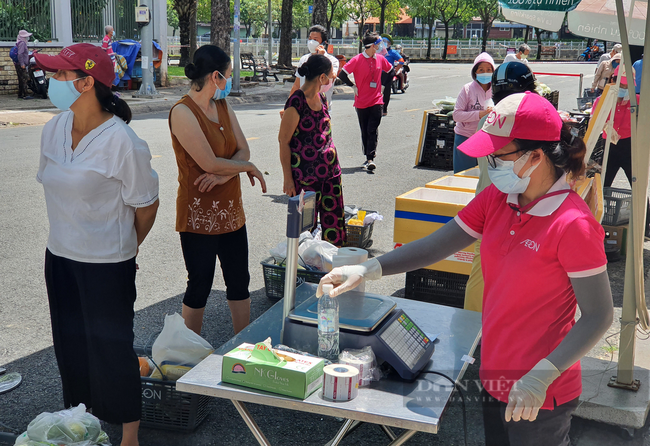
(543, 255)
(367, 69)
(211, 151)
(474, 101)
(102, 197)
(307, 153)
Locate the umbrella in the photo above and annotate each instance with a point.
(604, 19)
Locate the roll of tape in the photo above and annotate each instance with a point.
(364, 366)
(340, 382)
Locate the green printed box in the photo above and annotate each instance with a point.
(260, 367)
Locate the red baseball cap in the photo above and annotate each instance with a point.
(518, 116)
(86, 57)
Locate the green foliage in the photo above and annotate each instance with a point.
(32, 15)
(172, 17)
(301, 16)
(203, 11)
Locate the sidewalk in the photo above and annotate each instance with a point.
(14, 111)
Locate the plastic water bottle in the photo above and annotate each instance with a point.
(328, 325)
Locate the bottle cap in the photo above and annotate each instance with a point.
(327, 288)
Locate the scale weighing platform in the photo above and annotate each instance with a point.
(364, 320)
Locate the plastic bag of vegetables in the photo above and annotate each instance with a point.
(71, 427)
(542, 89)
(446, 105)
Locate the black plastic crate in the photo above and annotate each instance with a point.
(553, 97)
(581, 124)
(587, 93)
(440, 123)
(274, 278)
(618, 203)
(359, 236)
(585, 103)
(164, 407)
(437, 287)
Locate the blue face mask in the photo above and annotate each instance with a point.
(484, 78)
(505, 178)
(623, 93)
(62, 93)
(614, 64)
(221, 94)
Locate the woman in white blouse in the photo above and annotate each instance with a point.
(102, 196)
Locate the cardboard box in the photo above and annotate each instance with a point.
(422, 211)
(259, 367)
(615, 238)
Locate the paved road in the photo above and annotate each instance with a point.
(25, 339)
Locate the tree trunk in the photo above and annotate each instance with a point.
(539, 43)
(286, 26)
(382, 16)
(186, 11)
(193, 33)
(319, 16)
(431, 19)
(362, 22)
(526, 34)
(220, 24)
(444, 50)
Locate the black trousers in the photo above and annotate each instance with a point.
(91, 309)
(551, 428)
(620, 157)
(23, 80)
(200, 252)
(369, 120)
(386, 81)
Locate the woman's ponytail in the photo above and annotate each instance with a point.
(112, 102)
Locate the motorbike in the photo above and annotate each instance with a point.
(38, 82)
(395, 85)
(589, 55)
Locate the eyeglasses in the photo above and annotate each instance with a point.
(492, 159)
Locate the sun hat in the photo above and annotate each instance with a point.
(22, 33)
(86, 57)
(518, 116)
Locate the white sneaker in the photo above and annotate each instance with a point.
(370, 165)
(365, 164)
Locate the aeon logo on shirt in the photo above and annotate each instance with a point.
(530, 244)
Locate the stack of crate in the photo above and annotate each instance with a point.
(424, 210)
(436, 141)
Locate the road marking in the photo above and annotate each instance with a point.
(252, 138)
(411, 110)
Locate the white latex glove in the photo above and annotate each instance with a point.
(528, 394)
(356, 90)
(350, 276)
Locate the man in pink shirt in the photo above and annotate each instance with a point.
(367, 68)
(106, 42)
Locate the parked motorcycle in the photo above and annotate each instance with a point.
(38, 82)
(589, 55)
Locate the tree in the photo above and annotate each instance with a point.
(359, 11)
(220, 24)
(319, 15)
(538, 33)
(488, 11)
(335, 14)
(388, 11)
(204, 11)
(426, 11)
(286, 26)
(448, 12)
(186, 13)
(172, 17)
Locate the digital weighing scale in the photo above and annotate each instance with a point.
(364, 319)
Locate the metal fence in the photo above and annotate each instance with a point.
(35, 16)
(89, 17)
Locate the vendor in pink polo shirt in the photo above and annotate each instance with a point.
(543, 256)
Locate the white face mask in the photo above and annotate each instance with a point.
(505, 176)
(312, 45)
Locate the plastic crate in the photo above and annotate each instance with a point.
(587, 93)
(164, 407)
(437, 287)
(440, 123)
(617, 206)
(274, 278)
(581, 124)
(553, 97)
(359, 236)
(585, 103)
(438, 152)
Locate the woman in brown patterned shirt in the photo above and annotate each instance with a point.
(211, 151)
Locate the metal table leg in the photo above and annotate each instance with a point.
(252, 425)
(389, 432)
(402, 438)
(347, 428)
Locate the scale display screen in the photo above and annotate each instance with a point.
(406, 340)
(308, 213)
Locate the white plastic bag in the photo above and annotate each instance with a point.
(365, 361)
(177, 349)
(71, 427)
(318, 254)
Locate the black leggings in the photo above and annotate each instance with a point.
(201, 251)
(91, 309)
(620, 157)
(369, 120)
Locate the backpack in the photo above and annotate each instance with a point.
(13, 54)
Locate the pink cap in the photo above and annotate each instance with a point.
(518, 116)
